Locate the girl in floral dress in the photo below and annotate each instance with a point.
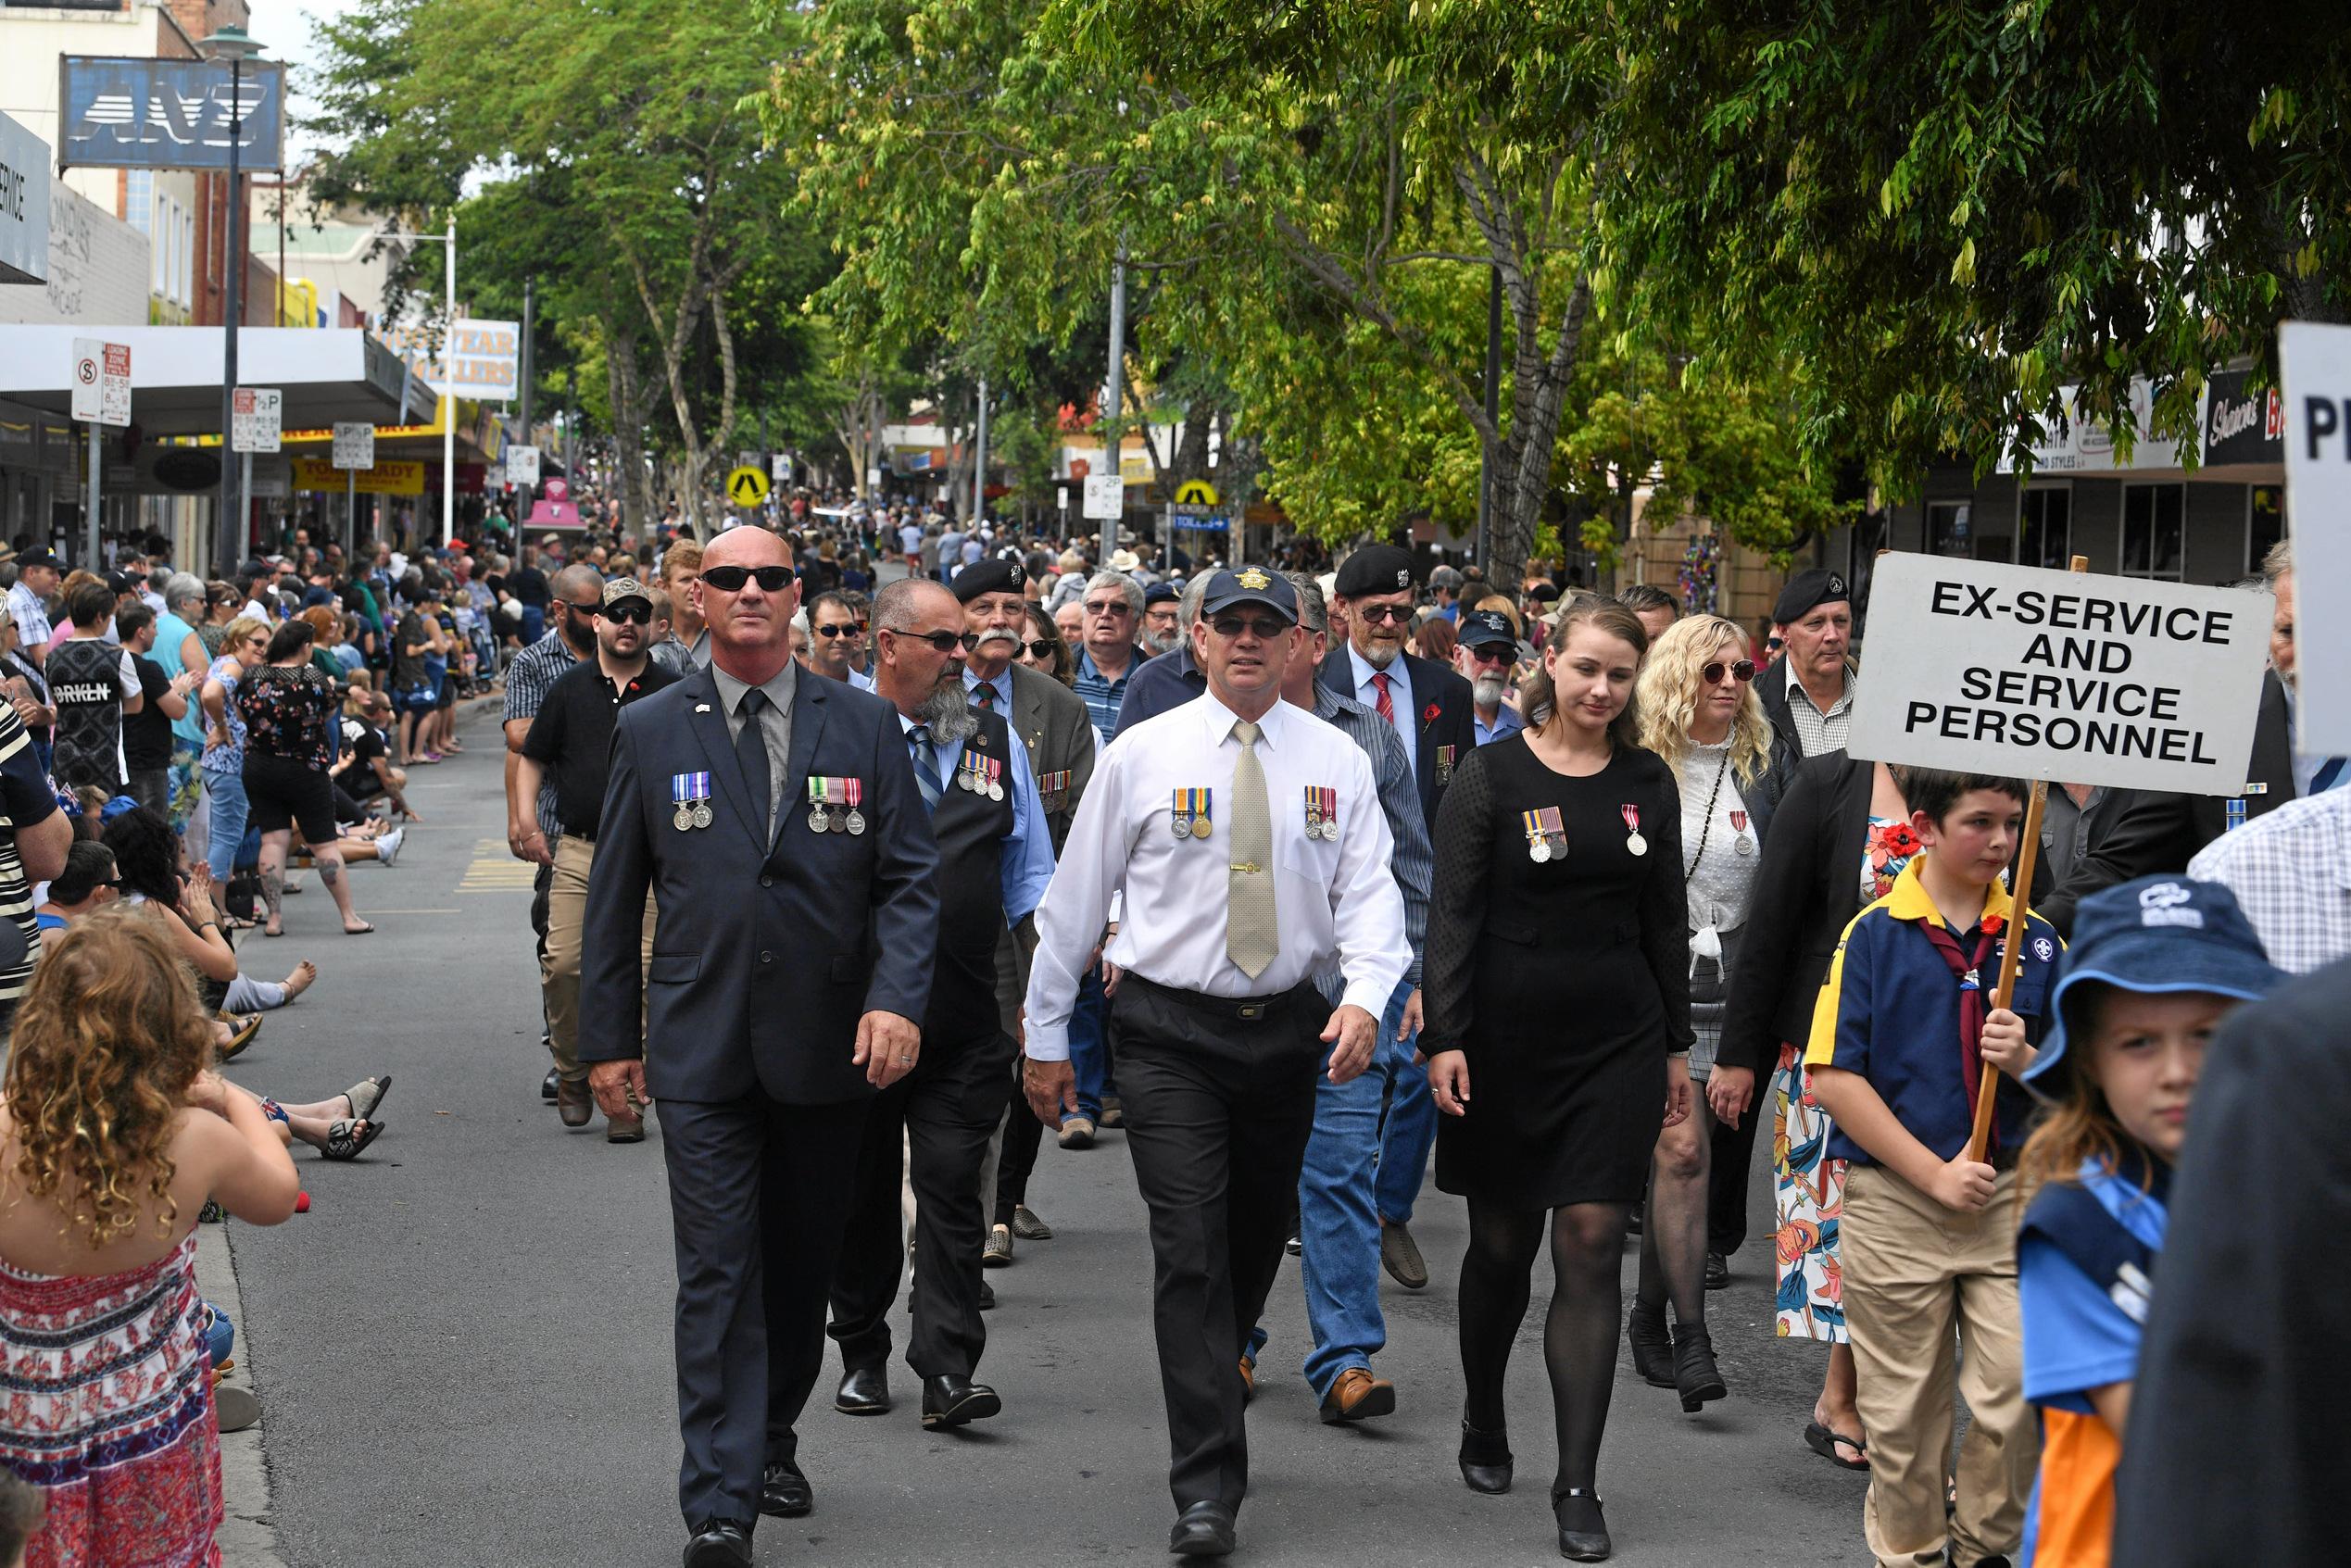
(107, 1409)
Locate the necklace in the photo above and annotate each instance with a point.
(1706, 827)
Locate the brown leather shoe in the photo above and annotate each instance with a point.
(1356, 1395)
(1249, 1378)
(624, 1129)
(573, 1102)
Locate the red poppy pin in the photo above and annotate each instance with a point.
(1992, 925)
(1900, 840)
(1428, 714)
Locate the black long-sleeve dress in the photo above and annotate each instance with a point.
(1565, 982)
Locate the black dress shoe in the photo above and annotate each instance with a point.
(865, 1390)
(1717, 1272)
(986, 1297)
(783, 1491)
(546, 1085)
(1485, 1459)
(1205, 1529)
(1583, 1533)
(951, 1399)
(719, 1543)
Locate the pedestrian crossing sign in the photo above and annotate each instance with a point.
(747, 486)
(1196, 492)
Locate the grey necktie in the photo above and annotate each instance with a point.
(751, 755)
(1252, 937)
(918, 745)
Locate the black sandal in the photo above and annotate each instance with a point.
(1822, 1441)
(342, 1143)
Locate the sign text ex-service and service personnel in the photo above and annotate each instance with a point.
(2014, 669)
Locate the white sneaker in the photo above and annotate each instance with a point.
(388, 847)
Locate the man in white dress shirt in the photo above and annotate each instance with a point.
(1248, 841)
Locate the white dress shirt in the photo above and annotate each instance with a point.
(1336, 902)
(1400, 698)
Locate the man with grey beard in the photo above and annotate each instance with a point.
(1163, 633)
(995, 857)
(1483, 656)
(1050, 722)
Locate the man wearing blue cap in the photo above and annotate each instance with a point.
(1250, 842)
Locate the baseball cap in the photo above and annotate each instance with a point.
(1250, 584)
(120, 583)
(624, 588)
(2157, 934)
(32, 559)
(1484, 628)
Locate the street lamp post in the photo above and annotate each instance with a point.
(232, 43)
(448, 374)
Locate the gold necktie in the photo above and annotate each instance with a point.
(1252, 937)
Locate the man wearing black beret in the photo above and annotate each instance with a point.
(1434, 713)
(1809, 693)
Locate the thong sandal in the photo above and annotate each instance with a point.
(342, 1142)
(1822, 1441)
(366, 1095)
(362, 929)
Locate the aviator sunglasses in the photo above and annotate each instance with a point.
(1743, 670)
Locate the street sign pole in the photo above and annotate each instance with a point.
(92, 563)
(350, 513)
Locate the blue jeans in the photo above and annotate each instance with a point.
(1089, 1046)
(1410, 1134)
(1338, 1220)
(226, 793)
(534, 624)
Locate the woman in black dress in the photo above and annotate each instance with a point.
(1558, 986)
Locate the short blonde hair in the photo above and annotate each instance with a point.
(243, 626)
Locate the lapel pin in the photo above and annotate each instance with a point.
(702, 707)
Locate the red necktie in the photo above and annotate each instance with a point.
(1969, 974)
(1387, 703)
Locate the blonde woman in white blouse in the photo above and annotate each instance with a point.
(1699, 712)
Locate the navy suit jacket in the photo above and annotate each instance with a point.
(764, 954)
(1453, 722)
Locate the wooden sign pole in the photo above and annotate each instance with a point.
(2012, 950)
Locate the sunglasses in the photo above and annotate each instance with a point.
(591, 611)
(946, 642)
(1743, 670)
(1116, 606)
(1375, 615)
(1492, 653)
(1040, 649)
(839, 631)
(630, 614)
(730, 578)
(1263, 627)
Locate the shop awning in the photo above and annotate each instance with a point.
(327, 374)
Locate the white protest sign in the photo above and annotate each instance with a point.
(2314, 363)
(2015, 670)
(101, 382)
(522, 465)
(1105, 495)
(257, 419)
(353, 444)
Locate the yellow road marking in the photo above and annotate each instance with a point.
(495, 869)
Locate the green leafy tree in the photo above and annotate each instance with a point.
(1940, 213)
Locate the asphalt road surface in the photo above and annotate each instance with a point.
(463, 1351)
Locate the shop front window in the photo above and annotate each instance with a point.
(2044, 527)
(2154, 530)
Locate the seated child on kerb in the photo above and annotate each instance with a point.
(2155, 965)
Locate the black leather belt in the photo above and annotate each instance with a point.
(582, 837)
(1244, 1009)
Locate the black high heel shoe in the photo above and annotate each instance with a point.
(1695, 1375)
(1485, 1459)
(1653, 1347)
(1583, 1533)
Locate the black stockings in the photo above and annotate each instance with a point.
(1579, 1332)
(1673, 1231)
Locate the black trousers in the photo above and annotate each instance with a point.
(1023, 1135)
(945, 1109)
(1218, 1112)
(1733, 1153)
(757, 1191)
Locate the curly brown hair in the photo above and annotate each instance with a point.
(104, 1048)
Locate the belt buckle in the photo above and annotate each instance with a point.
(1253, 1010)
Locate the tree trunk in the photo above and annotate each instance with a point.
(628, 425)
